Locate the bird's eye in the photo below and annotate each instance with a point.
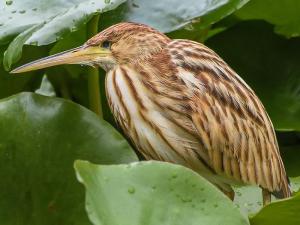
(106, 44)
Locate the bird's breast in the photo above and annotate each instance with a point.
(154, 132)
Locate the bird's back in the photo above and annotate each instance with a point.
(231, 121)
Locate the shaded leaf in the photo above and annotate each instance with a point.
(153, 193)
(283, 14)
(12, 84)
(40, 139)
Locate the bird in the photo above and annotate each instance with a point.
(178, 101)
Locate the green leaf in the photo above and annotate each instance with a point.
(281, 212)
(153, 193)
(170, 15)
(51, 20)
(12, 84)
(269, 63)
(14, 50)
(283, 14)
(46, 88)
(40, 139)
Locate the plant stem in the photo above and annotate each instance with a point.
(93, 74)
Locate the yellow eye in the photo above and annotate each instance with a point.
(106, 44)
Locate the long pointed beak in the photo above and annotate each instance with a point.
(84, 54)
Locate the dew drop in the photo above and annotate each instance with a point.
(14, 11)
(174, 176)
(1, 24)
(216, 205)
(22, 11)
(8, 2)
(153, 188)
(128, 166)
(203, 200)
(73, 29)
(93, 3)
(34, 9)
(186, 199)
(106, 1)
(33, 43)
(131, 190)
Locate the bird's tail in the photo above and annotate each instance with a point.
(285, 190)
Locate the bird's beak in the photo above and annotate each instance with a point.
(81, 55)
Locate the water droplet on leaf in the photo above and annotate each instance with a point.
(34, 9)
(131, 190)
(73, 29)
(33, 43)
(14, 11)
(8, 2)
(106, 1)
(22, 11)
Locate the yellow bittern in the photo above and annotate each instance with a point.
(179, 102)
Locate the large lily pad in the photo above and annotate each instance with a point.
(40, 139)
(170, 15)
(44, 22)
(283, 14)
(153, 193)
(269, 63)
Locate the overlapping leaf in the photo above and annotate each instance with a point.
(171, 15)
(40, 139)
(153, 193)
(283, 14)
(278, 213)
(44, 22)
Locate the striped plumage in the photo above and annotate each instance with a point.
(179, 102)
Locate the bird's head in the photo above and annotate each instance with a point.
(122, 43)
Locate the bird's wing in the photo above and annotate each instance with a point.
(231, 122)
